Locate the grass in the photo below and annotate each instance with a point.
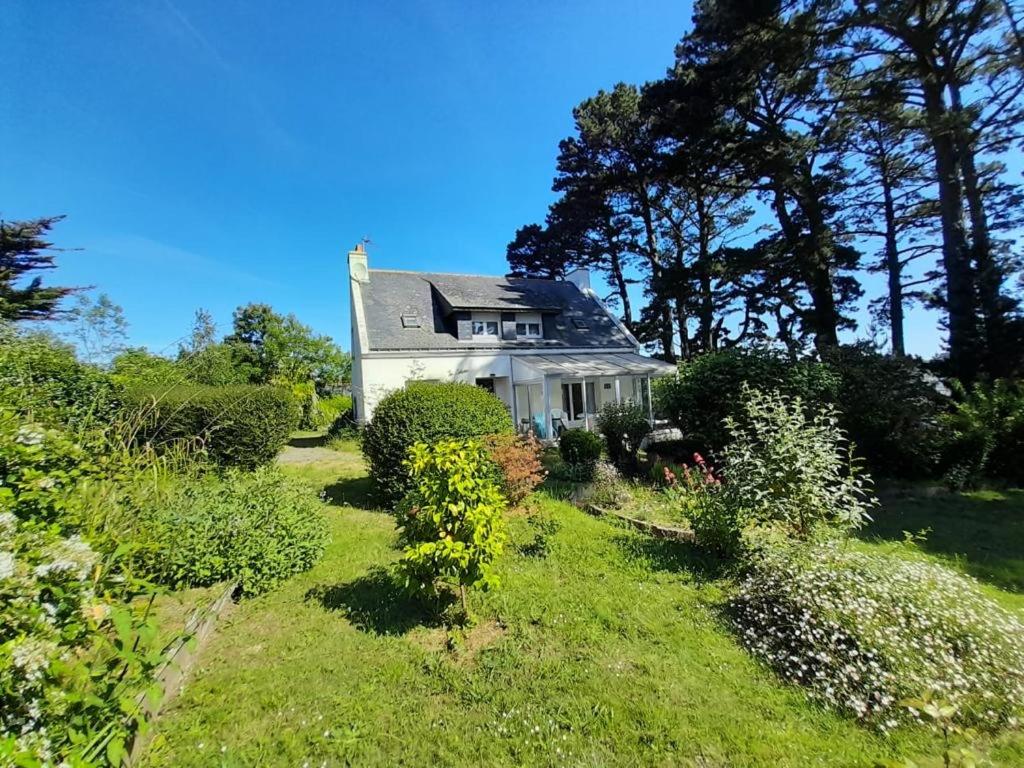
(980, 532)
(603, 647)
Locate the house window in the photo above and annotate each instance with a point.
(485, 328)
(528, 330)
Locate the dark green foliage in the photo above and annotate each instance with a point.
(239, 426)
(425, 413)
(580, 449)
(986, 434)
(24, 251)
(41, 379)
(707, 389)
(254, 528)
(624, 426)
(344, 425)
(137, 366)
(890, 409)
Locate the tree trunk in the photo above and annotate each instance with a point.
(621, 288)
(960, 296)
(988, 276)
(666, 330)
(814, 265)
(893, 268)
(707, 304)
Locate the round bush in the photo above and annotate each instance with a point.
(580, 449)
(238, 426)
(865, 632)
(425, 413)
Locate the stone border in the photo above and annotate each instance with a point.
(172, 673)
(659, 531)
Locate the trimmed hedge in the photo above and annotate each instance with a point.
(425, 413)
(239, 426)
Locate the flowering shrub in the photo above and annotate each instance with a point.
(691, 489)
(518, 461)
(783, 469)
(76, 643)
(452, 521)
(866, 632)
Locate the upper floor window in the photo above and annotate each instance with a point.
(528, 330)
(485, 326)
(528, 326)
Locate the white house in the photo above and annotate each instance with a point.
(548, 348)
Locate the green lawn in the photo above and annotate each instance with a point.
(981, 532)
(603, 647)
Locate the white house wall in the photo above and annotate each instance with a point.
(381, 375)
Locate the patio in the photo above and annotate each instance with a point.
(551, 392)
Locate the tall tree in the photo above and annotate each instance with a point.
(766, 63)
(960, 63)
(891, 201)
(98, 328)
(25, 250)
(615, 156)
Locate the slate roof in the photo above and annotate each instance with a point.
(434, 297)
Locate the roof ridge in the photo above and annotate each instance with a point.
(468, 274)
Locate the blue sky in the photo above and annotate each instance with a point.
(208, 154)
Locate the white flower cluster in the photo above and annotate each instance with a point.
(865, 632)
(44, 579)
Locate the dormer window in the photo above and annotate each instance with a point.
(485, 326)
(528, 325)
(528, 330)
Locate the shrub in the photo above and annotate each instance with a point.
(425, 413)
(344, 425)
(708, 389)
(256, 528)
(986, 429)
(866, 632)
(451, 520)
(332, 407)
(77, 643)
(785, 470)
(41, 380)
(624, 426)
(891, 410)
(239, 426)
(517, 458)
(580, 449)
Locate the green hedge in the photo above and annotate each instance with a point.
(707, 389)
(889, 407)
(238, 426)
(425, 413)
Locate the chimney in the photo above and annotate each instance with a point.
(580, 278)
(358, 268)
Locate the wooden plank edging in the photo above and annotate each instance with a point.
(175, 669)
(660, 531)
